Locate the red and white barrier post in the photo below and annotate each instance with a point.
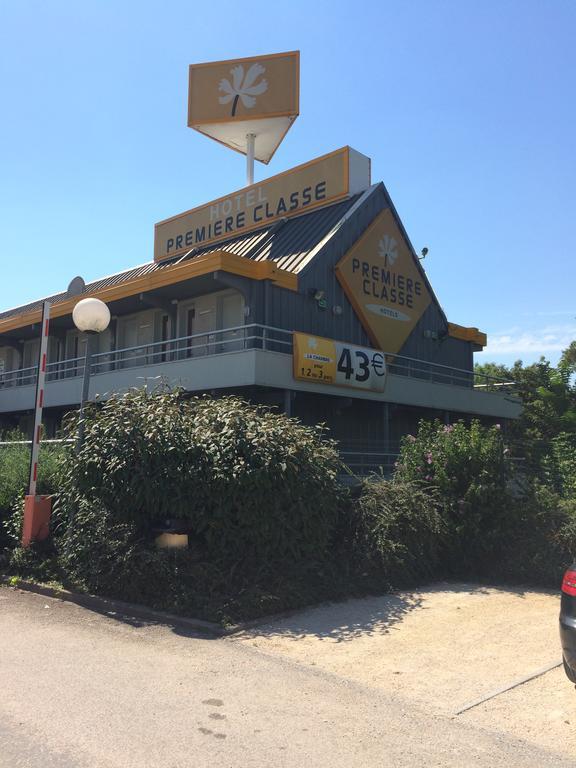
(37, 509)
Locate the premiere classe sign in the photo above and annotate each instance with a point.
(322, 181)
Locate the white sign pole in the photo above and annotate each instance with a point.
(250, 144)
(41, 378)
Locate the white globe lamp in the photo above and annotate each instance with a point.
(91, 316)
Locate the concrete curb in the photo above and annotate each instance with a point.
(107, 605)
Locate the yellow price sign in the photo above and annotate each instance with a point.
(326, 361)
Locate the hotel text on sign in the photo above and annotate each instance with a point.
(384, 284)
(317, 183)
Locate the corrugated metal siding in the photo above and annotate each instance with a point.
(104, 282)
(289, 244)
(300, 312)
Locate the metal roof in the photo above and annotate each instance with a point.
(288, 242)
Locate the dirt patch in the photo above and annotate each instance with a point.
(445, 647)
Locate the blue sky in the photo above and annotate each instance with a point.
(466, 108)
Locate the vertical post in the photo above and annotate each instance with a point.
(37, 509)
(85, 387)
(386, 427)
(40, 381)
(250, 142)
(171, 347)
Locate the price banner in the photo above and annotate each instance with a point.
(325, 361)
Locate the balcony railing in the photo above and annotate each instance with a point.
(235, 339)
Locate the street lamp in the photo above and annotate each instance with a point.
(91, 316)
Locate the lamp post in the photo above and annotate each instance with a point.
(91, 316)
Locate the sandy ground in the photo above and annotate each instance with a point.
(444, 647)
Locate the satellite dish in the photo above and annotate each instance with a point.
(77, 286)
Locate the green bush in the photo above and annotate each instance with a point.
(251, 483)
(499, 523)
(259, 491)
(272, 490)
(271, 527)
(398, 529)
(139, 459)
(560, 464)
(100, 555)
(14, 470)
(14, 475)
(467, 467)
(541, 543)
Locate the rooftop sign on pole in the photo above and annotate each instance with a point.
(246, 104)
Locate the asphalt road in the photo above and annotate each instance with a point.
(81, 689)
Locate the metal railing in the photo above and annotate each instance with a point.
(445, 374)
(217, 342)
(369, 462)
(234, 339)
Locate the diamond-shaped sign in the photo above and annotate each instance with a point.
(384, 284)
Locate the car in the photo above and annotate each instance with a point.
(568, 623)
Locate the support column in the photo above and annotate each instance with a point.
(250, 142)
(91, 347)
(288, 402)
(386, 426)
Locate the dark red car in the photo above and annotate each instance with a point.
(568, 623)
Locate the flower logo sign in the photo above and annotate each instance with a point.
(385, 283)
(387, 250)
(243, 87)
(259, 96)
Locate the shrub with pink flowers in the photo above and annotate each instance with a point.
(467, 467)
(498, 523)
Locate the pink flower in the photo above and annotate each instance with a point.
(428, 477)
(411, 438)
(429, 458)
(497, 426)
(448, 428)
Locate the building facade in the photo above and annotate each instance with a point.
(221, 317)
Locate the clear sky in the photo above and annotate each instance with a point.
(466, 107)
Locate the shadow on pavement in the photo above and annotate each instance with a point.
(369, 616)
(339, 622)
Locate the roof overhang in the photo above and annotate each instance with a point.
(472, 335)
(168, 275)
